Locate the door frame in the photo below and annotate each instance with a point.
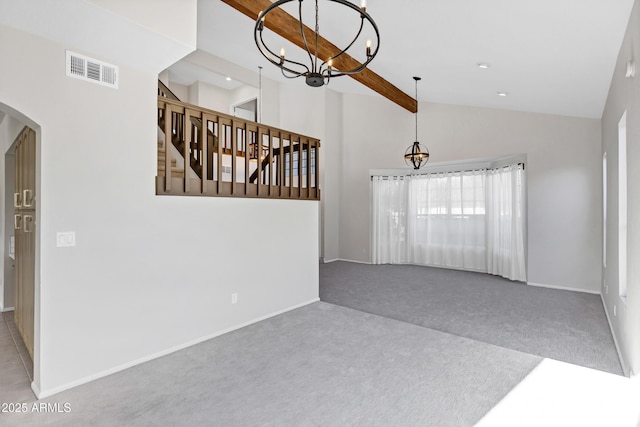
(24, 120)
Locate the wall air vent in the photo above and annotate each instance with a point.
(92, 70)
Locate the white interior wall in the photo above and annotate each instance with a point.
(122, 31)
(269, 103)
(624, 95)
(242, 94)
(331, 182)
(163, 76)
(321, 118)
(147, 14)
(374, 133)
(181, 91)
(209, 96)
(149, 274)
(311, 119)
(563, 169)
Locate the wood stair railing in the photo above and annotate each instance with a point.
(241, 158)
(179, 144)
(165, 92)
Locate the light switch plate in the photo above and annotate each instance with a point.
(65, 239)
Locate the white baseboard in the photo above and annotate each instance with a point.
(6, 309)
(327, 261)
(625, 369)
(41, 394)
(36, 389)
(563, 288)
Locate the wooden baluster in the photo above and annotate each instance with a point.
(308, 174)
(198, 140)
(211, 145)
(259, 170)
(249, 131)
(281, 164)
(168, 127)
(234, 149)
(258, 150)
(204, 136)
(317, 170)
(301, 163)
(221, 139)
(312, 182)
(299, 167)
(271, 137)
(186, 154)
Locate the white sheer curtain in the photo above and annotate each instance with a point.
(389, 237)
(505, 222)
(472, 220)
(446, 220)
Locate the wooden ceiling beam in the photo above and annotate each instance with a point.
(288, 27)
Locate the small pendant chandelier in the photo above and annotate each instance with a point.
(417, 155)
(318, 71)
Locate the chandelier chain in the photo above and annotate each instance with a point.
(416, 109)
(315, 66)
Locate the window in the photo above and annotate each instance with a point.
(622, 206)
(304, 163)
(470, 220)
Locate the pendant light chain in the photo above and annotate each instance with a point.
(315, 64)
(417, 104)
(260, 93)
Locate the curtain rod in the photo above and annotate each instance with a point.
(460, 171)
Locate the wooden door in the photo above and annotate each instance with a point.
(25, 226)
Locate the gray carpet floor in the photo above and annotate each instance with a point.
(320, 365)
(562, 325)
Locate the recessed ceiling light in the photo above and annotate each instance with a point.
(503, 94)
(483, 65)
(228, 79)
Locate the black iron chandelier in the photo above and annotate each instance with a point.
(417, 155)
(318, 71)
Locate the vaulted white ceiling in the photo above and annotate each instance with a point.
(550, 56)
(139, 33)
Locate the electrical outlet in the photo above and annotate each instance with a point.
(234, 298)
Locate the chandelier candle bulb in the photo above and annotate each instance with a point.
(261, 20)
(368, 47)
(363, 5)
(281, 55)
